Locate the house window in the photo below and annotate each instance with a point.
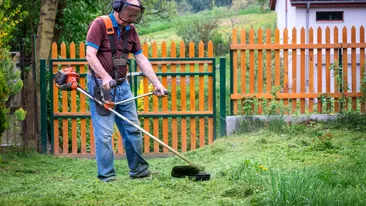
(329, 16)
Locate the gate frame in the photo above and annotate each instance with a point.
(44, 72)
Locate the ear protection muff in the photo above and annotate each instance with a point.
(117, 5)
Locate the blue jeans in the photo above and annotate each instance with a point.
(103, 131)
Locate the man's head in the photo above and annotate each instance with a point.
(129, 11)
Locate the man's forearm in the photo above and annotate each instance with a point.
(148, 71)
(96, 65)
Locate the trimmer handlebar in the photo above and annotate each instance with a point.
(66, 79)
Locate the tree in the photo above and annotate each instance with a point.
(62, 21)
(71, 24)
(158, 10)
(241, 4)
(45, 33)
(199, 5)
(10, 82)
(262, 3)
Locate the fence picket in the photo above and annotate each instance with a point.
(119, 143)
(73, 106)
(56, 139)
(211, 131)
(173, 54)
(294, 69)
(353, 67)
(243, 62)
(251, 65)
(319, 70)
(285, 66)
(336, 70)
(183, 86)
(311, 70)
(192, 97)
(155, 101)
(302, 70)
(145, 51)
(251, 62)
(235, 70)
(82, 100)
(268, 64)
(345, 67)
(260, 70)
(201, 106)
(277, 59)
(165, 100)
(327, 67)
(65, 108)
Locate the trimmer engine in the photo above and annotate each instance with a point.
(66, 79)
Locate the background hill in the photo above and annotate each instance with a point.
(220, 20)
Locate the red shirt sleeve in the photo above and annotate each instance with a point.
(136, 49)
(96, 33)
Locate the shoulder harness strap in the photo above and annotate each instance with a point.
(110, 31)
(108, 24)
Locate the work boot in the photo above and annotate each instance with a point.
(148, 174)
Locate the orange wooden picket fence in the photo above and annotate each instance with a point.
(267, 59)
(187, 114)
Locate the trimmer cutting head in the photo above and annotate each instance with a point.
(185, 170)
(193, 172)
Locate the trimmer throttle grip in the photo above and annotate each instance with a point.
(112, 83)
(166, 92)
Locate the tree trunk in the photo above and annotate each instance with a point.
(45, 29)
(43, 47)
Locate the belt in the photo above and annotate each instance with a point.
(120, 80)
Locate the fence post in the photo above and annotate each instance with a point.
(43, 84)
(222, 96)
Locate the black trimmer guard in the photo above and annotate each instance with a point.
(203, 176)
(192, 172)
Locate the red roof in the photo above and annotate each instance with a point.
(272, 4)
(322, 3)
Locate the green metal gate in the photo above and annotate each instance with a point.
(186, 119)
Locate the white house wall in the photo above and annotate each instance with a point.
(296, 17)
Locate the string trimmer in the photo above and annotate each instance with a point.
(67, 78)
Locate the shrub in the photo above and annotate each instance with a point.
(4, 92)
(199, 28)
(351, 120)
(10, 82)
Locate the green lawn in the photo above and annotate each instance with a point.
(312, 164)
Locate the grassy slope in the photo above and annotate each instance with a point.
(312, 171)
(246, 21)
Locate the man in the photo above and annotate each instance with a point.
(104, 67)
